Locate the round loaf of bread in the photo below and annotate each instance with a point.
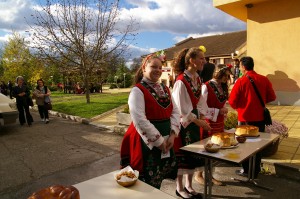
(223, 139)
(247, 130)
(57, 192)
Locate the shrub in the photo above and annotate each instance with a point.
(126, 109)
(112, 86)
(52, 88)
(231, 120)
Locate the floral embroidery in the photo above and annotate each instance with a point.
(220, 97)
(164, 100)
(196, 91)
(158, 172)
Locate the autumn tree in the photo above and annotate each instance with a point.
(84, 32)
(18, 60)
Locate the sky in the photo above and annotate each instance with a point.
(162, 23)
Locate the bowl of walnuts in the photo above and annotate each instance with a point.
(126, 177)
(212, 148)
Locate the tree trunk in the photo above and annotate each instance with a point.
(86, 86)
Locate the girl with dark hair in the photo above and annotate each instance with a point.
(147, 145)
(215, 92)
(21, 92)
(192, 108)
(41, 95)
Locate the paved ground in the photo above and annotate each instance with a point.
(66, 152)
(286, 161)
(46, 154)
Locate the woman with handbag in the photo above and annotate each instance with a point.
(41, 95)
(22, 93)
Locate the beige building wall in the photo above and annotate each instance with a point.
(273, 40)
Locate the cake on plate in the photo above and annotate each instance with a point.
(247, 130)
(224, 139)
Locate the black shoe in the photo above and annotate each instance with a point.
(241, 172)
(194, 194)
(179, 195)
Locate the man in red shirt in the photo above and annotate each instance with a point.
(244, 99)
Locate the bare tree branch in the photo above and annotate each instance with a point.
(79, 35)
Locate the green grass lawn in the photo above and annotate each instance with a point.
(74, 104)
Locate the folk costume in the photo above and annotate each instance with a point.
(187, 95)
(216, 98)
(154, 116)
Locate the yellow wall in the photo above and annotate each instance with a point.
(273, 40)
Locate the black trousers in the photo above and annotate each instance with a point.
(43, 112)
(21, 108)
(245, 164)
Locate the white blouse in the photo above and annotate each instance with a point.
(184, 103)
(142, 124)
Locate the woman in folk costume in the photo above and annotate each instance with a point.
(215, 93)
(147, 145)
(192, 108)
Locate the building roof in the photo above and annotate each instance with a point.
(216, 45)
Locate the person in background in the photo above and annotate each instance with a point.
(3, 88)
(40, 93)
(207, 71)
(236, 73)
(147, 145)
(215, 93)
(21, 92)
(10, 87)
(192, 108)
(170, 80)
(244, 99)
(231, 68)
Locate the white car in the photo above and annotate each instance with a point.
(8, 110)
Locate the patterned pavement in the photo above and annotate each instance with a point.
(288, 154)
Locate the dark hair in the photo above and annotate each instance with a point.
(37, 82)
(182, 60)
(247, 62)
(138, 75)
(219, 73)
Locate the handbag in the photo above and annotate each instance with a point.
(48, 105)
(267, 115)
(47, 101)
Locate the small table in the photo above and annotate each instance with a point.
(105, 186)
(236, 155)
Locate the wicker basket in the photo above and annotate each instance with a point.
(271, 149)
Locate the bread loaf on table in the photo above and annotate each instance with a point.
(56, 192)
(223, 139)
(247, 130)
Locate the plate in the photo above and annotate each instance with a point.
(230, 147)
(248, 136)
